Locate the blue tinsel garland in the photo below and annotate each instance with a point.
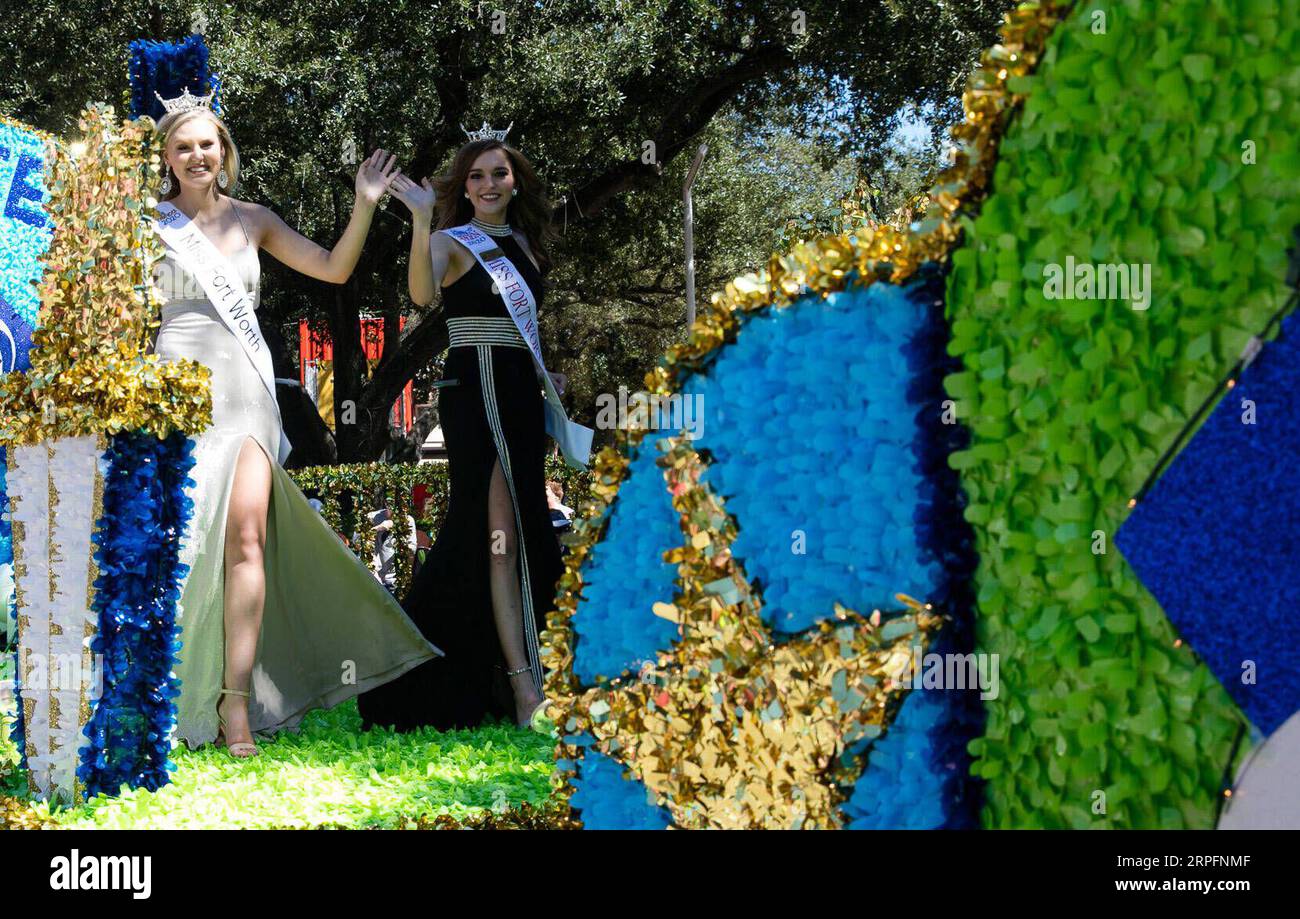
(168, 68)
(138, 538)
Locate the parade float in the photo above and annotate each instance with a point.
(1029, 556)
(1112, 578)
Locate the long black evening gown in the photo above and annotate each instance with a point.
(494, 410)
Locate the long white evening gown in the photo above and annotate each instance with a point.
(329, 630)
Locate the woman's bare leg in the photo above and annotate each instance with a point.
(245, 582)
(507, 601)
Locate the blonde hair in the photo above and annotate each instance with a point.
(229, 161)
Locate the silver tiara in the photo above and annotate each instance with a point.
(186, 101)
(486, 133)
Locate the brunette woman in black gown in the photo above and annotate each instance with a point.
(489, 579)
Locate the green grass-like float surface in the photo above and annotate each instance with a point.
(1131, 148)
(330, 773)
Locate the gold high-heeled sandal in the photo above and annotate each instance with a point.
(240, 749)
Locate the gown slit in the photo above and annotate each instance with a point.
(491, 411)
(486, 380)
(329, 631)
(234, 477)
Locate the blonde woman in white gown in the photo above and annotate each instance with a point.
(277, 616)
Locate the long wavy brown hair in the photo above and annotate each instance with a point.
(529, 211)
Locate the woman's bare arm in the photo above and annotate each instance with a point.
(430, 252)
(427, 264)
(335, 265)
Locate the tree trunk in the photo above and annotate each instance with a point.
(425, 341)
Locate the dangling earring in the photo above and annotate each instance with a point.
(514, 192)
(222, 179)
(466, 194)
(166, 188)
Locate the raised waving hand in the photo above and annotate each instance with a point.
(418, 198)
(375, 175)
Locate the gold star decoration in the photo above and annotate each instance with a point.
(728, 728)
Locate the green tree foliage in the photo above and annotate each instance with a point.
(609, 98)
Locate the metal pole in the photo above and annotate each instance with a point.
(690, 234)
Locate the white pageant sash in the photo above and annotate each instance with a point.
(574, 439)
(221, 282)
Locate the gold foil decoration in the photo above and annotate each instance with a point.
(52, 548)
(524, 817)
(728, 729)
(89, 371)
(709, 760)
(16, 814)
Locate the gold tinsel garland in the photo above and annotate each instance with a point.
(89, 371)
(17, 814)
(550, 816)
(718, 632)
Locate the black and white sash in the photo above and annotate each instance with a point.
(574, 439)
(221, 282)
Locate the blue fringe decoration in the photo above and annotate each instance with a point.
(605, 799)
(168, 68)
(138, 537)
(851, 389)
(823, 383)
(626, 574)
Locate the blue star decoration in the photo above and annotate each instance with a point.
(1217, 539)
(823, 426)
